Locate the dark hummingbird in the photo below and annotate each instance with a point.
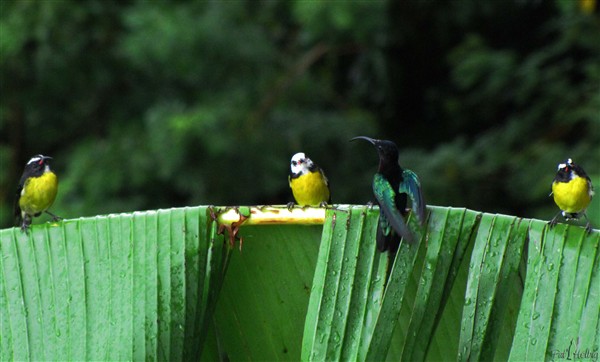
(392, 185)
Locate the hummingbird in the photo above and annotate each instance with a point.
(392, 185)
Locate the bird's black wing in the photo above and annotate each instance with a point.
(326, 183)
(17, 208)
(590, 186)
(315, 168)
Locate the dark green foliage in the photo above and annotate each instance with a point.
(150, 104)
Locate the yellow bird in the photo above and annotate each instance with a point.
(36, 191)
(308, 182)
(572, 190)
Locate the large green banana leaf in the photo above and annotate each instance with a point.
(459, 293)
(559, 307)
(122, 287)
(145, 286)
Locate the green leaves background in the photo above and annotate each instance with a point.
(162, 285)
(190, 100)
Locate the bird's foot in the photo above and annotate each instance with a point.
(323, 204)
(290, 206)
(25, 223)
(588, 228)
(552, 223)
(55, 218)
(25, 226)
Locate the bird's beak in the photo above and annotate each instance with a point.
(46, 158)
(370, 140)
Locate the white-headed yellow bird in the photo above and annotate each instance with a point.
(572, 191)
(36, 191)
(308, 182)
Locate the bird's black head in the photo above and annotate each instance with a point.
(37, 165)
(568, 170)
(387, 150)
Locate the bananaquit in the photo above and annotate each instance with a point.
(308, 182)
(572, 191)
(36, 191)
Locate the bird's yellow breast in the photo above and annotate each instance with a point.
(310, 189)
(573, 196)
(38, 193)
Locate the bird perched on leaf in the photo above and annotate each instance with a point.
(36, 191)
(392, 186)
(572, 190)
(308, 182)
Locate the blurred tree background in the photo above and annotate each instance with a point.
(158, 104)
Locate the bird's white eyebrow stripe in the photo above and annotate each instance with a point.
(567, 163)
(34, 159)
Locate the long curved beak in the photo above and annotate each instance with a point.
(46, 158)
(370, 140)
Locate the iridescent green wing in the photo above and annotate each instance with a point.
(411, 186)
(386, 197)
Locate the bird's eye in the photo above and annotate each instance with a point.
(294, 163)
